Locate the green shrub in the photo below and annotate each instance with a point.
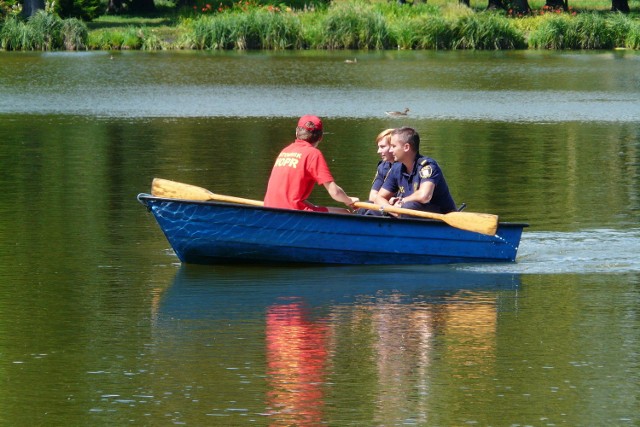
(132, 38)
(86, 10)
(74, 34)
(10, 8)
(151, 41)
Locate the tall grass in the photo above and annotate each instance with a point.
(423, 32)
(256, 29)
(584, 31)
(129, 38)
(13, 34)
(457, 27)
(353, 26)
(74, 34)
(486, 31)
(625, 31)
(43, 31)
(632, 39)
(279, 31)
(358, 25)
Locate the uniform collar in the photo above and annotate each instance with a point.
(415, 165)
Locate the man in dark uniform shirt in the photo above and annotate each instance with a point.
(414, 181)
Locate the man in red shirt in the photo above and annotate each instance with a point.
(298, 168)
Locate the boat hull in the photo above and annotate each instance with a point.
(222, 233)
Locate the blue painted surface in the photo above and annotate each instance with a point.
(214, 233)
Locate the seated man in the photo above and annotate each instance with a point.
(383, 141)
(382, 170)
(414, 181)
(298, 168)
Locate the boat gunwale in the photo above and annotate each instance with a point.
(144, 196)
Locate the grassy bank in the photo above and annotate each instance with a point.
(343, 25)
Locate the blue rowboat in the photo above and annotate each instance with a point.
(212, 232)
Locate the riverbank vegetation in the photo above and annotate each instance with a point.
(338, 25)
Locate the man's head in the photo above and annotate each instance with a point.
(405, 141)
(309, 129)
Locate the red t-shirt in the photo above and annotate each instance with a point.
(297, 169)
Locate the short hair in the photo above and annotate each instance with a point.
(385, 134)
(309, 136)
(408, 135)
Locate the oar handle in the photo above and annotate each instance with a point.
(233, 199)
(401, 211)
(477, 222)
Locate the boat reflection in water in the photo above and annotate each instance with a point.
(307, 336)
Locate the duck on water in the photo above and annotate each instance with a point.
(397, 113)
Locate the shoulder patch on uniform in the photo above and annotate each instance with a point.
(423, 162)
(426, 172)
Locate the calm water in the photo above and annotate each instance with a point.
(100, 325)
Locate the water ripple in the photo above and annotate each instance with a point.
(585, 251)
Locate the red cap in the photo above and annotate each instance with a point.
(310, 123)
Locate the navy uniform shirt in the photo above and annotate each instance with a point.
(404, 184)
(381, 174)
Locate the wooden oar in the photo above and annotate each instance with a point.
(177, 190)
(478, 222)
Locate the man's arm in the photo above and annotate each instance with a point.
(423, 194)
(338, 194)
(384, 197)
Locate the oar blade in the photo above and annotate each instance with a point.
(177, 190)
(478, 222)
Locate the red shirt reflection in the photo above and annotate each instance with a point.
(296, 364)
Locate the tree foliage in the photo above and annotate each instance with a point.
(131, 6)
(86, 10)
